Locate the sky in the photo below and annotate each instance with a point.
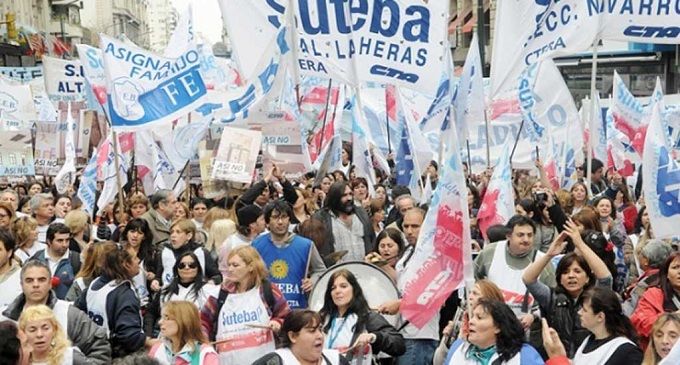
(207, 17)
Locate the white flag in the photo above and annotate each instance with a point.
(65, 176)
(661, 185)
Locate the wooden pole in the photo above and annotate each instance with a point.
(188, 176)
(593, 91)
(116, 161)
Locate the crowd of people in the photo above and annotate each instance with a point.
(576, 276)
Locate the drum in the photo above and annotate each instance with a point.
(377, 286)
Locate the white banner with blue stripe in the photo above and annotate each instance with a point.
(145, 88)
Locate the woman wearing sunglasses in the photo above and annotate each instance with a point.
(187, 284)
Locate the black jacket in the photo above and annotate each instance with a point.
(563, 317)
(123, 312)
(324, 215)
(387, 338)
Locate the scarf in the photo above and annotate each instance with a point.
(185, 353)
(482, 356)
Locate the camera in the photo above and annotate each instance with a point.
(540, 196)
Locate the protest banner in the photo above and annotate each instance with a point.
(559, 28)
(239, 103)
(16, 158)
(212, 188)
(16, 102)
(282, 145)
(93, 69)
(46, 148)
(64, 79)
(22, 74)
(395, 41)
(147, 89)
(237, 155)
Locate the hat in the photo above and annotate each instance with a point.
(248, 214)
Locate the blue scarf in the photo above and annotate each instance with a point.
(481, 356)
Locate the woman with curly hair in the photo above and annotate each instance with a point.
(496, 337)
(48, 339)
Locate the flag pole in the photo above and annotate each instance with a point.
(488, 146)
(469, 158)
(387, 125)
(514, 146)
(325, 114)
(116, 159)
(591, 140)
(188, 172)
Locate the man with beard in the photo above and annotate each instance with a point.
(347, 228)
(288, 255)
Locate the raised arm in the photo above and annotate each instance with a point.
(596, 264)
(534, 270)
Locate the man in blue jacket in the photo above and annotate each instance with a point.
(64, 264)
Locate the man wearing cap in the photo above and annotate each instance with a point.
(250, 225)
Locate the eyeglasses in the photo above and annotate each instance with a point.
(187, 265)
(579, 168)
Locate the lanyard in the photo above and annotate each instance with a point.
(334, 336)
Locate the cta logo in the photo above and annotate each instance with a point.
(381, 70)
(643, 31)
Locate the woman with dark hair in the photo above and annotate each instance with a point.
(546, 213)
(389, 246)
(575, 274)
(302, 342)
(112, 302)
(187, 284)
(615, 232)
(351, 326)
(658, 300)
(461, 328)
(496, 337)
(314, 230)
(359, 187)
(612, 340)
(13, 341)
(137, 238)
(624, 205)
(377, 214)
(35, 187)
(346, 159)
(62, 205)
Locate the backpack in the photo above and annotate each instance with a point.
(269, 300)
(74, 258)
